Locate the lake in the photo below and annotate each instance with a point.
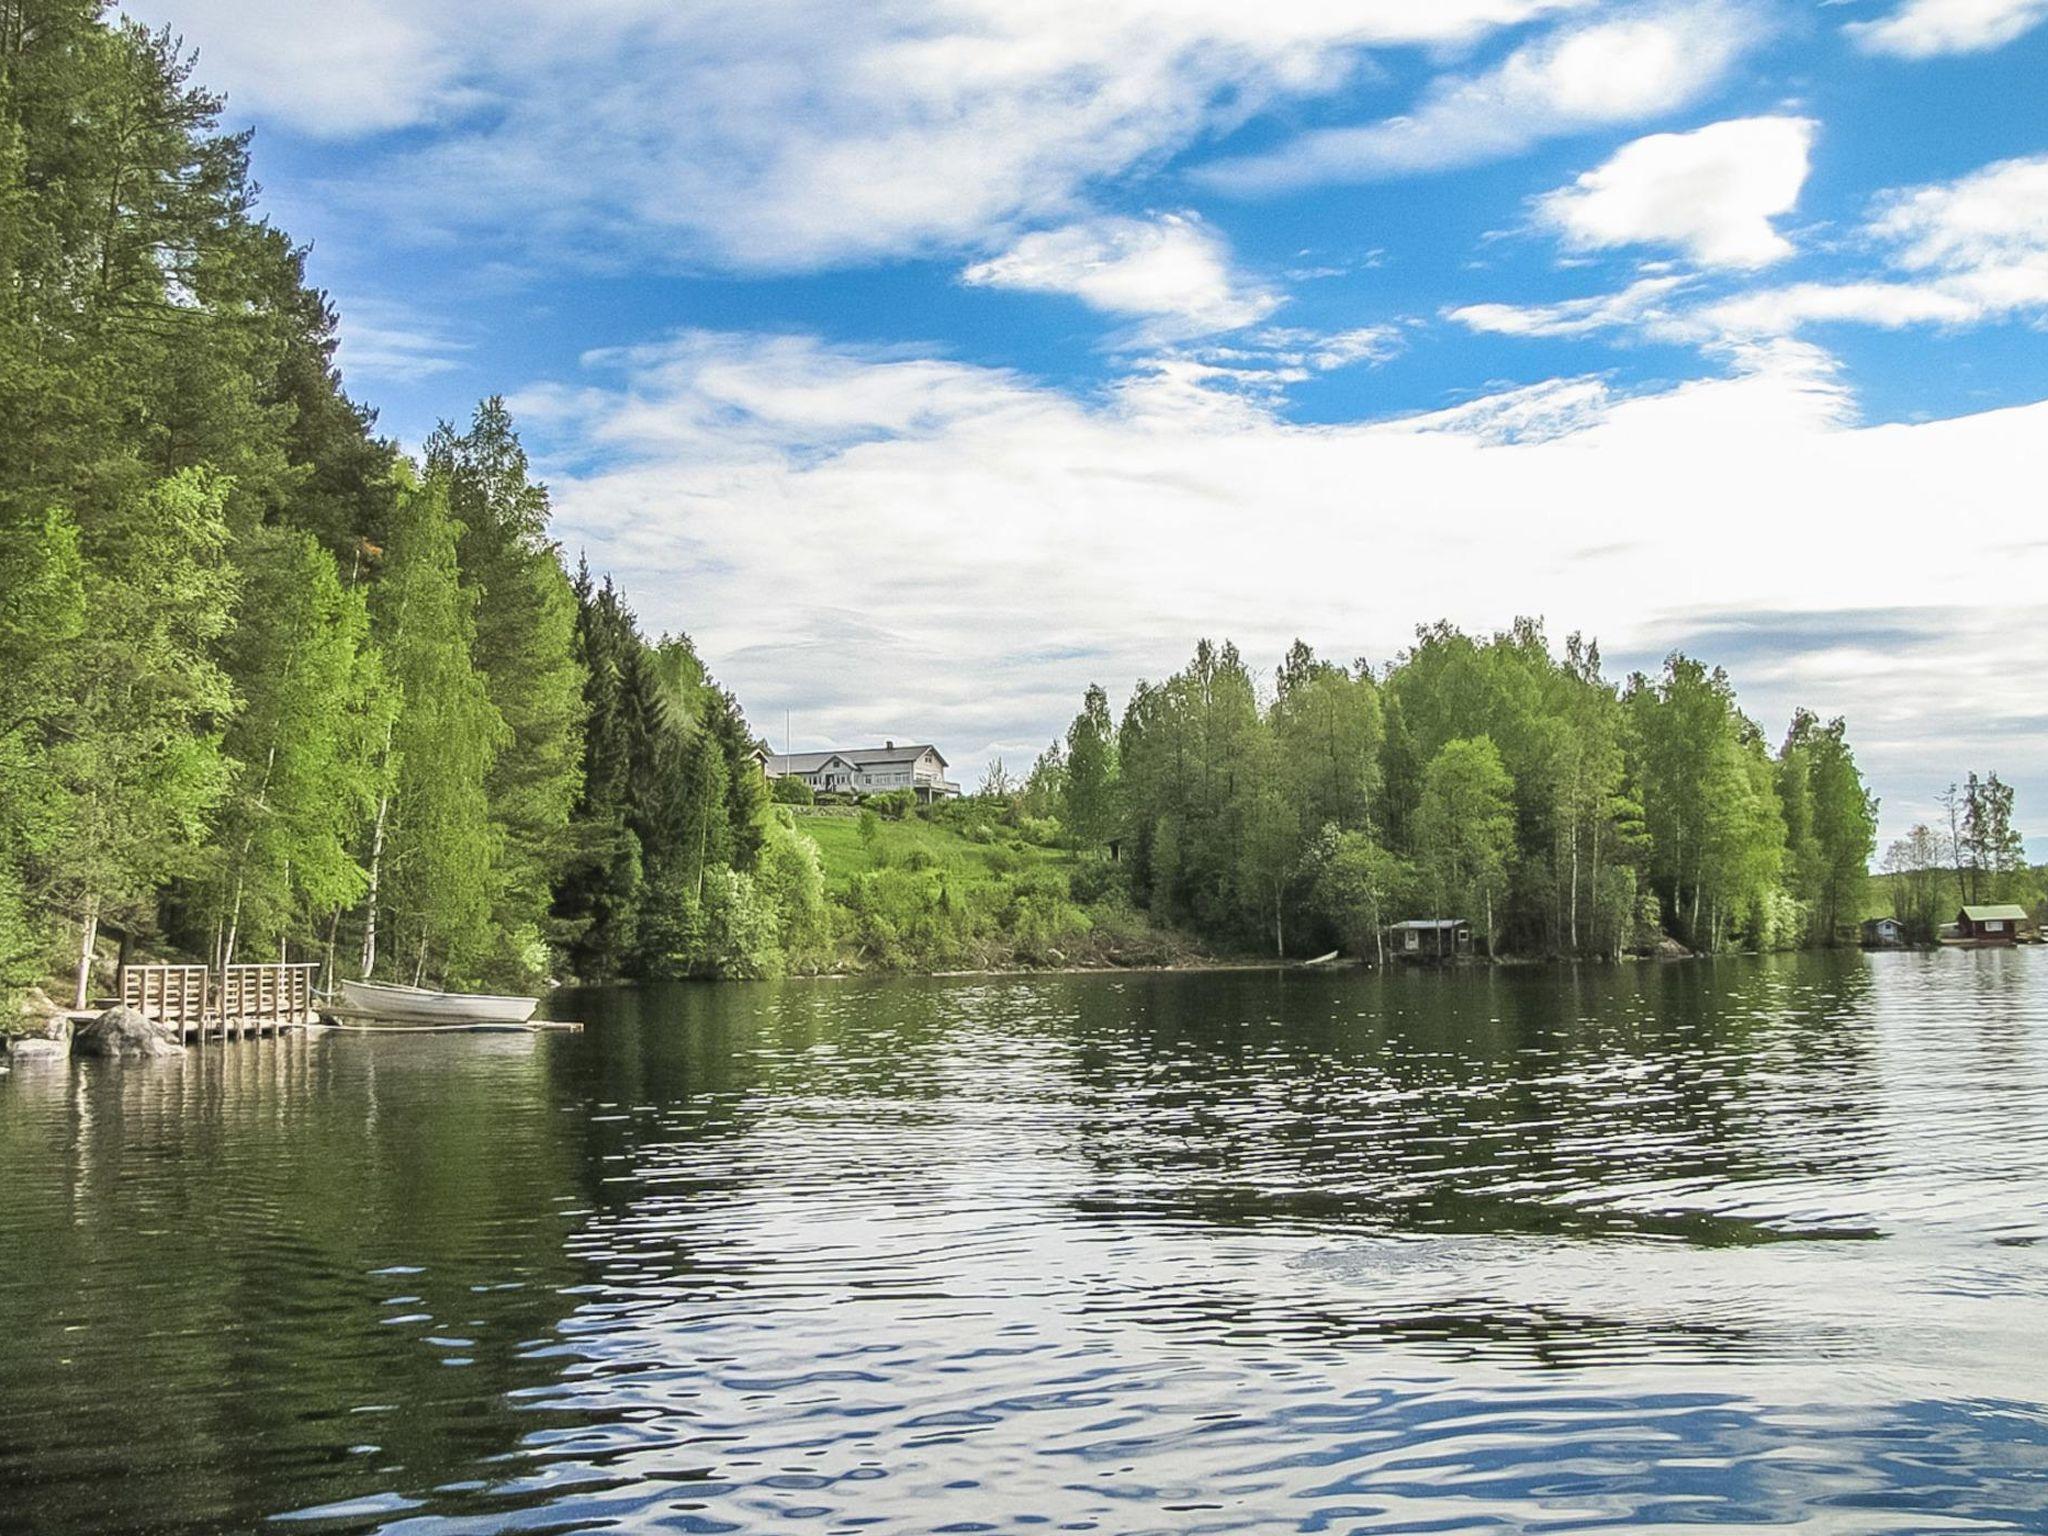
(1755, 1242)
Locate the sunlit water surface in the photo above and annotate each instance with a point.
(1758, 1243)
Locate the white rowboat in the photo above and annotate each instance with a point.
(386, 1002)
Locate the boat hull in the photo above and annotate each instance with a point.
(386, 1003)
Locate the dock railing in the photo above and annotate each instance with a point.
(235, 1001)
(171, 994)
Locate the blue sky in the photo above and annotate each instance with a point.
(929, 359)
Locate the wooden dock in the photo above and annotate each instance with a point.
(230, 1002)
(249, 1002)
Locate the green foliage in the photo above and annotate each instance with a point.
(1711, 808)
(435, 846)
(1990, 849)
(42, 613)
(1092, 777)
(305, 749)
(524, 647)
(790, 878)
(1830, 825)
(791, 790)
(1353, 883)
(136, 757)
(1917, 878)
(1465, 830)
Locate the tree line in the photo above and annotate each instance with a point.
(1492, 779)
(1973, 854)
(268, 687)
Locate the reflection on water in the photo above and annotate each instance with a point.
(1746, 1243)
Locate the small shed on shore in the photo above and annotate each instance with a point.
(1430, 938)
(1883, 933)
(1991, 924)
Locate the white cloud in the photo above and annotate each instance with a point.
(884, 542)
(1587, 75)
(1922, 29)
(1958, 253)
(1997, 216)
(1641, 304)
(782, 134)
(337, 68)
(381, 340)
(1971, 250)
(1711, 192)
(1173, 268)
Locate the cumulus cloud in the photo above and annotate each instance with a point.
(1712, 192)
(930, 545)
(1174, 269)
(1968, 251)
(1957, 253)
(1582, 76)
(1922, 29)
(782, 134)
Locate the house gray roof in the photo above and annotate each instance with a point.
(1431, 924)
(859, 757)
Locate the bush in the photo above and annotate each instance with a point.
(1039, 831)
(920, 858)
(896, 804)
(791, 790)
(1092, 880)
(791, 880)
(1002, 861)
(737, 928)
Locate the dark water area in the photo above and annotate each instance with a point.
(1753, 1243)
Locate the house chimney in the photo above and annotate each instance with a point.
(888, 746)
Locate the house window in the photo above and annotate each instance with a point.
(1994, 926)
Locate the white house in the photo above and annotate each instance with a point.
(868, 770)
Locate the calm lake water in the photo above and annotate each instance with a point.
(1757, 1243)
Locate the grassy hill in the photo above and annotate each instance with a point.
(958, 889)
(988, 854)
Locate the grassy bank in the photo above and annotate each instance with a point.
(960, 888)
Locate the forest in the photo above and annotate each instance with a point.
(267, 686)
(271, 688)
(1492, 779)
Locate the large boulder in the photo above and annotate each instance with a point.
(41, 1018)
(124, 1032)
(23, 1047)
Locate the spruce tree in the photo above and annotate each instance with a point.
(526, 618)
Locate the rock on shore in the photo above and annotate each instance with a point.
(124, 1032)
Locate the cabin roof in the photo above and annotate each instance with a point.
(1433, 924)
(804, 762)
(2006, 912)
(857, 757)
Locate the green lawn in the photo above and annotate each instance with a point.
(900, 844)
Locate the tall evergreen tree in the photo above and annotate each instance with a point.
(526, 615)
